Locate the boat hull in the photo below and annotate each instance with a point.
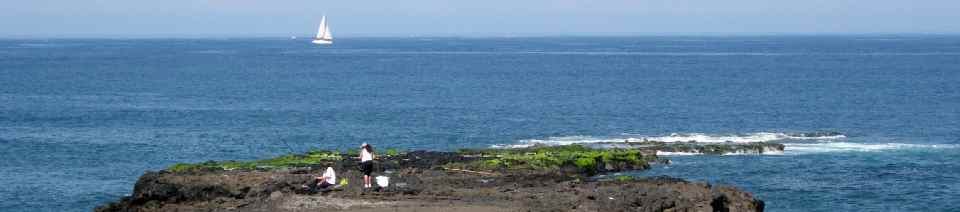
(322, 41)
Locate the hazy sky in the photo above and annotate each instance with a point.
(245, 18)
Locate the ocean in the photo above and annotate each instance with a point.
(81, 119)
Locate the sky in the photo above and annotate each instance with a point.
(261, 18)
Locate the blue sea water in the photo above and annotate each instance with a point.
(81, 119)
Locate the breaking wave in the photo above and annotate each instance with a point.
(794, 143)
(831, 147)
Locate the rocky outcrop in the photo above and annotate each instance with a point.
(426, 180)
(230, 189)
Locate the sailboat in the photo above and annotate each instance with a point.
(323, 34)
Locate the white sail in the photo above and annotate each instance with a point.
(323, 26)
(326, 33)
(323, 33)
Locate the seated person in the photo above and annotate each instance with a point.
(328, 179)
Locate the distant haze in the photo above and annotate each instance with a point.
(257, 18)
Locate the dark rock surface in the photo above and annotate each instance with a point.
(419, 182)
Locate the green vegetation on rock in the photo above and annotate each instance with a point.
(287, 161)
(570, 159)
(353, 152)
(554, 157)
(392, 152)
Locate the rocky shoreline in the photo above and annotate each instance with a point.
(558, 178)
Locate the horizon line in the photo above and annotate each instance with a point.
(524, 35)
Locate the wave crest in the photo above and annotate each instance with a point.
(794, 143)
(811, 148)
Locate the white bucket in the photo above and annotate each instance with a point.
(383, 181)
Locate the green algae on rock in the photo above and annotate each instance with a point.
(313, 157)
(584, 159)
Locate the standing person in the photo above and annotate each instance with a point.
(366, 163)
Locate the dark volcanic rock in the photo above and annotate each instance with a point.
(419, 182)
(156, 189)
(656, 194)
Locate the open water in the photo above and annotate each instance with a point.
(81, 119)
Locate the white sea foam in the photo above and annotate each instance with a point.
(675, 137)
(831, 147)
(662, 153)
(795, 143)
(765, 152)
(739, 138)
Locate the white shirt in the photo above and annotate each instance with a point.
(365, 155)
(331, 176)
